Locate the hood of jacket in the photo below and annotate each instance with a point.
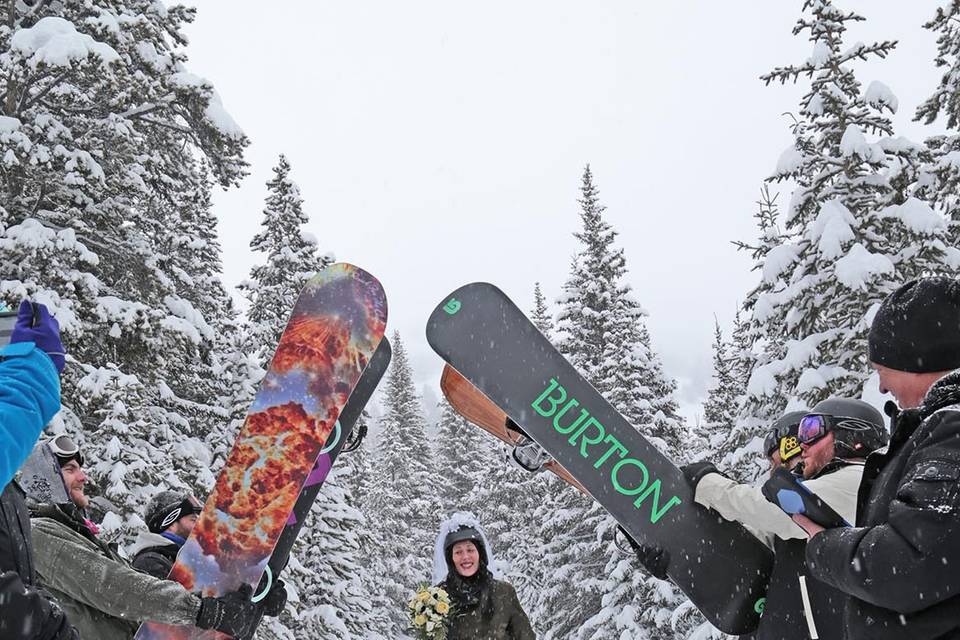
(148, 540)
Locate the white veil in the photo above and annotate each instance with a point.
(457, 520)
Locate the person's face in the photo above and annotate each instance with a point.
(184, 526)
(816, 455)
(909, 389)
(466, 558)
(74, 479)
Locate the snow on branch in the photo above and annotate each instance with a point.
(55, 42)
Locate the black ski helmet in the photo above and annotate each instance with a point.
(167, 507)
(460, 535)
(785, 427)
(857, 427)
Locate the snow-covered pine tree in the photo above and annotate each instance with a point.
(736, 455)
(853, 237)
(540, 316)
(331, 598)
(943, 184)
(102, 127)
(361, 480)
(402, 503)
(741, 350)
(466, 455)
(601, 331)
(721, 407)
(291, 258)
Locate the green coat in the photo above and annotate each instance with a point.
(104, 597)
(508, 622)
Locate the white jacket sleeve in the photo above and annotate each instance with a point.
(745, 503)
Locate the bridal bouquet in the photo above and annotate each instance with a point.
(429, 611)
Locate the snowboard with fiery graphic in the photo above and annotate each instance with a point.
(333, 331)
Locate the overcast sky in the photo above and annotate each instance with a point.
(439, 143)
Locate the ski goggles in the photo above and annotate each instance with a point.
(65, 449)
(815, 426)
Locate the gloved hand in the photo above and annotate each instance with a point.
(28, 613)
(654, 559)
(36, 325)
(695, 472)
(232, 613)
(276, 599)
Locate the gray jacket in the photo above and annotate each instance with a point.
(104, 597)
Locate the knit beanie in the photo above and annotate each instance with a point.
(917, 328)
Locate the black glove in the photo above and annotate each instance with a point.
(695, 471)
(276, 599)
(27, 613)
(232, 614)
(654, 559)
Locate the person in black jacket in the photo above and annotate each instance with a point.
(899, 565)
(170, 517)
(831, 460)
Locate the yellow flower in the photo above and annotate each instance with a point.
(420, 620)
(423, 596)
(443, 608)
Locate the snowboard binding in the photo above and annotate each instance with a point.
(526, 453)
(354, 439)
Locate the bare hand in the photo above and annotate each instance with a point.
(808, 525)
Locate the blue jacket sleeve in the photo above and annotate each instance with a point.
(29, 398)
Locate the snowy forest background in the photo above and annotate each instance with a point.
(109, 151)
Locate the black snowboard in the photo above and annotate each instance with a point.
(362, 392)
(721, 567)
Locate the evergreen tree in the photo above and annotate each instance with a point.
(540, 316)
(404, 495)
(601, 331)
(104, 129)
(507, 504)
(942, 183)
(291, 259)
(852, 236)
(361, 480)
(331, 597)
(721, 407)
(465, 455)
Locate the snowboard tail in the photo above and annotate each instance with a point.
(719, 565)
(333, 331)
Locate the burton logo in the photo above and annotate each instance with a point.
(452, 306)
(628, 476)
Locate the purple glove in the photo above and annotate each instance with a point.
(36, 325)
